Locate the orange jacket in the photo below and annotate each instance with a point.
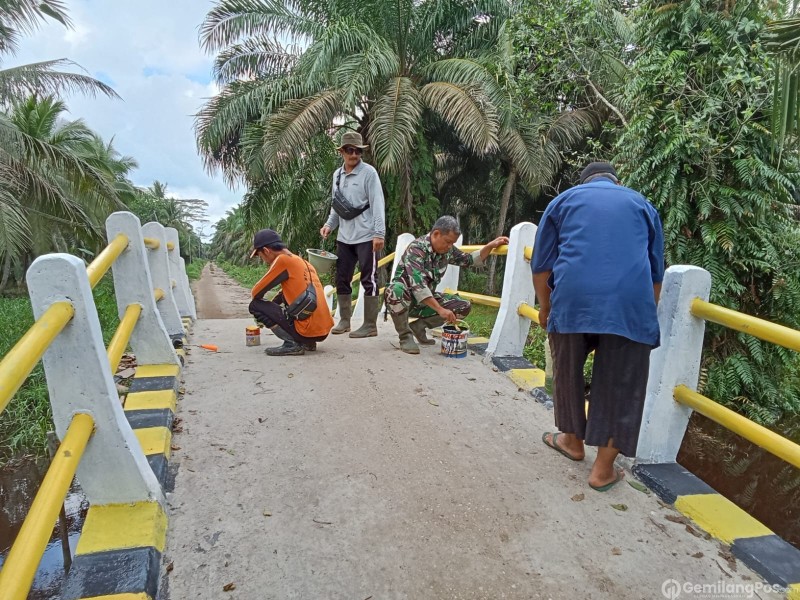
(292, 274)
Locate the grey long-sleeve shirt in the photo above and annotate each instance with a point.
(359, 186)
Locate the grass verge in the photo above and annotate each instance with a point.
(194, 268)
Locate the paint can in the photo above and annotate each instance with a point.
(454, 340)
(252, 336)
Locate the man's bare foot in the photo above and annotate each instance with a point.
(602, 482)
(565, 443)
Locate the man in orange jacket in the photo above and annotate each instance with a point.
(300, 332)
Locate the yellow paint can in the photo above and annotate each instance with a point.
(252, 336)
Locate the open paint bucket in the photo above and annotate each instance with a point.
(454, 340)
(252, 336)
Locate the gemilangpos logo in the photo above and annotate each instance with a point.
(672, 589)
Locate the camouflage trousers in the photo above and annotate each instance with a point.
(399, 299)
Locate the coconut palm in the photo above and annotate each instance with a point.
(294, 69)
(18, 17)
(59, 182)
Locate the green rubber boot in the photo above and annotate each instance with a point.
(419, 326)
(345, 312)
(407, 343)
(372, 304)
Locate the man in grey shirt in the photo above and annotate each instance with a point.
(359, 239)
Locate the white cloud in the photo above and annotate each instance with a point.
(148, 51)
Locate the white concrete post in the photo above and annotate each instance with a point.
(133, 285)
(176, 272)
(510, 331)
(675, 362)
(330, 292)
(113, 469)
(403, 240)
(358, 309)
(159, 272)
(451, 275)
(188, 287)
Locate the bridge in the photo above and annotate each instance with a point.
(359, 471)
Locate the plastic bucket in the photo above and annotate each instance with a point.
(252, 336)
(454, 340)
(322, 260)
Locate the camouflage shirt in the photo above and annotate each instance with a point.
(421, 269)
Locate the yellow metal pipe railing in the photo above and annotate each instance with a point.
(526, 310)
(158, 294)
(170, 246)
(528, 253)
(771, 332)
(22, 358)
(152, 243)
(384, 261)
(103, 261)
(499, 251)
(20, 566)
(122, 335)
(753, 432)
(476, 298)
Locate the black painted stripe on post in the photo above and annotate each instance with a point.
(152, 384)
(506, 363)
(154, 417)
(478, 348)
(160, 467)
(670, 480)
(129, 571)
(770, 556)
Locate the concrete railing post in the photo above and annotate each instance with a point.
(113, 469)
(675, 362)
(177, 273)
(188, 287)
(159, 271)
(133, 285)
(451, 275)
(510, 331)
(330, 292)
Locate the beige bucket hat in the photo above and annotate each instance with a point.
(352, 138)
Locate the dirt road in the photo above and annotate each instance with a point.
(218, 296)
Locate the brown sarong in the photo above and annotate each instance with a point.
(618, 386)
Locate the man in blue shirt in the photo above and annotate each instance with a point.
(597, 265)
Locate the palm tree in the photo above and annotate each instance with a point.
(386, 68)
(24, 16)
(58, 183)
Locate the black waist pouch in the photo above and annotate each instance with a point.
(304, 305)
(342, 206)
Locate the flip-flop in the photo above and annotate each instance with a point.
(620, 475)
(554, 445)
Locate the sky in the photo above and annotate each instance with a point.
(148, 51)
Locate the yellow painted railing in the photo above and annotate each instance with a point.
(528, 253)
(499, 251)
(755, 433)
(23, 559)
(170, 246)
(102, 263)
(770, 332)
(152, 243)
(476, 298)
(123, 335)
(526, 310)
(158, 294)
(22, 358)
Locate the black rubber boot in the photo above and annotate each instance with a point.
(288, 349)
(407, 343)
(419, 326)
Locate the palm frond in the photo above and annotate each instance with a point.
(42, 78)
(395, 120)
(468, 110)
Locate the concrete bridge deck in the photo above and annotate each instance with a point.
(359, 472)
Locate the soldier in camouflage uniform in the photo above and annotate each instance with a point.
(411, 291)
